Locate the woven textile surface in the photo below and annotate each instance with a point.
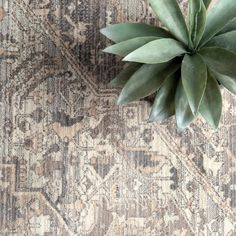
(72, 162)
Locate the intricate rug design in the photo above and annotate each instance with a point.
(74, 163)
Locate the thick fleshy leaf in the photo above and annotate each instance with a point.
(197, 20)
(124, 48)
(207, 3)
(171, 16)
(184, 115)
(125, 31)
(164, 105)
(220, 60)
(194, 79)
(226, 41)
(146, 81)
(158, 51)
(226, 81)
(121, 79)
(231, 26)
(211, 105)
(221, 13)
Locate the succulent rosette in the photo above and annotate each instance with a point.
(183, 64)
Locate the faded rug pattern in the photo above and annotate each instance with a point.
(74, 163)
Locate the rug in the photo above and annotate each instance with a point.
(72, 162)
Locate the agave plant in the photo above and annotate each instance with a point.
(184, 63)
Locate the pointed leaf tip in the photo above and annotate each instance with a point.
(120, 102)
(122, 78)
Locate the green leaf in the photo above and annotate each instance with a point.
(231, 26)
(146, 81)
(197, 20)
(194, 78)
(124, 48)
(164, 105)
(171, 16)
(226, 41)
(125, 31)
(211, 105)
(184, 115)
(222, 13)
(121, 79)
(226, 81)
(158, 51)
(207, 3)
(220, 60)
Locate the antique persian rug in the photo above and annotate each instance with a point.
(72, 162)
